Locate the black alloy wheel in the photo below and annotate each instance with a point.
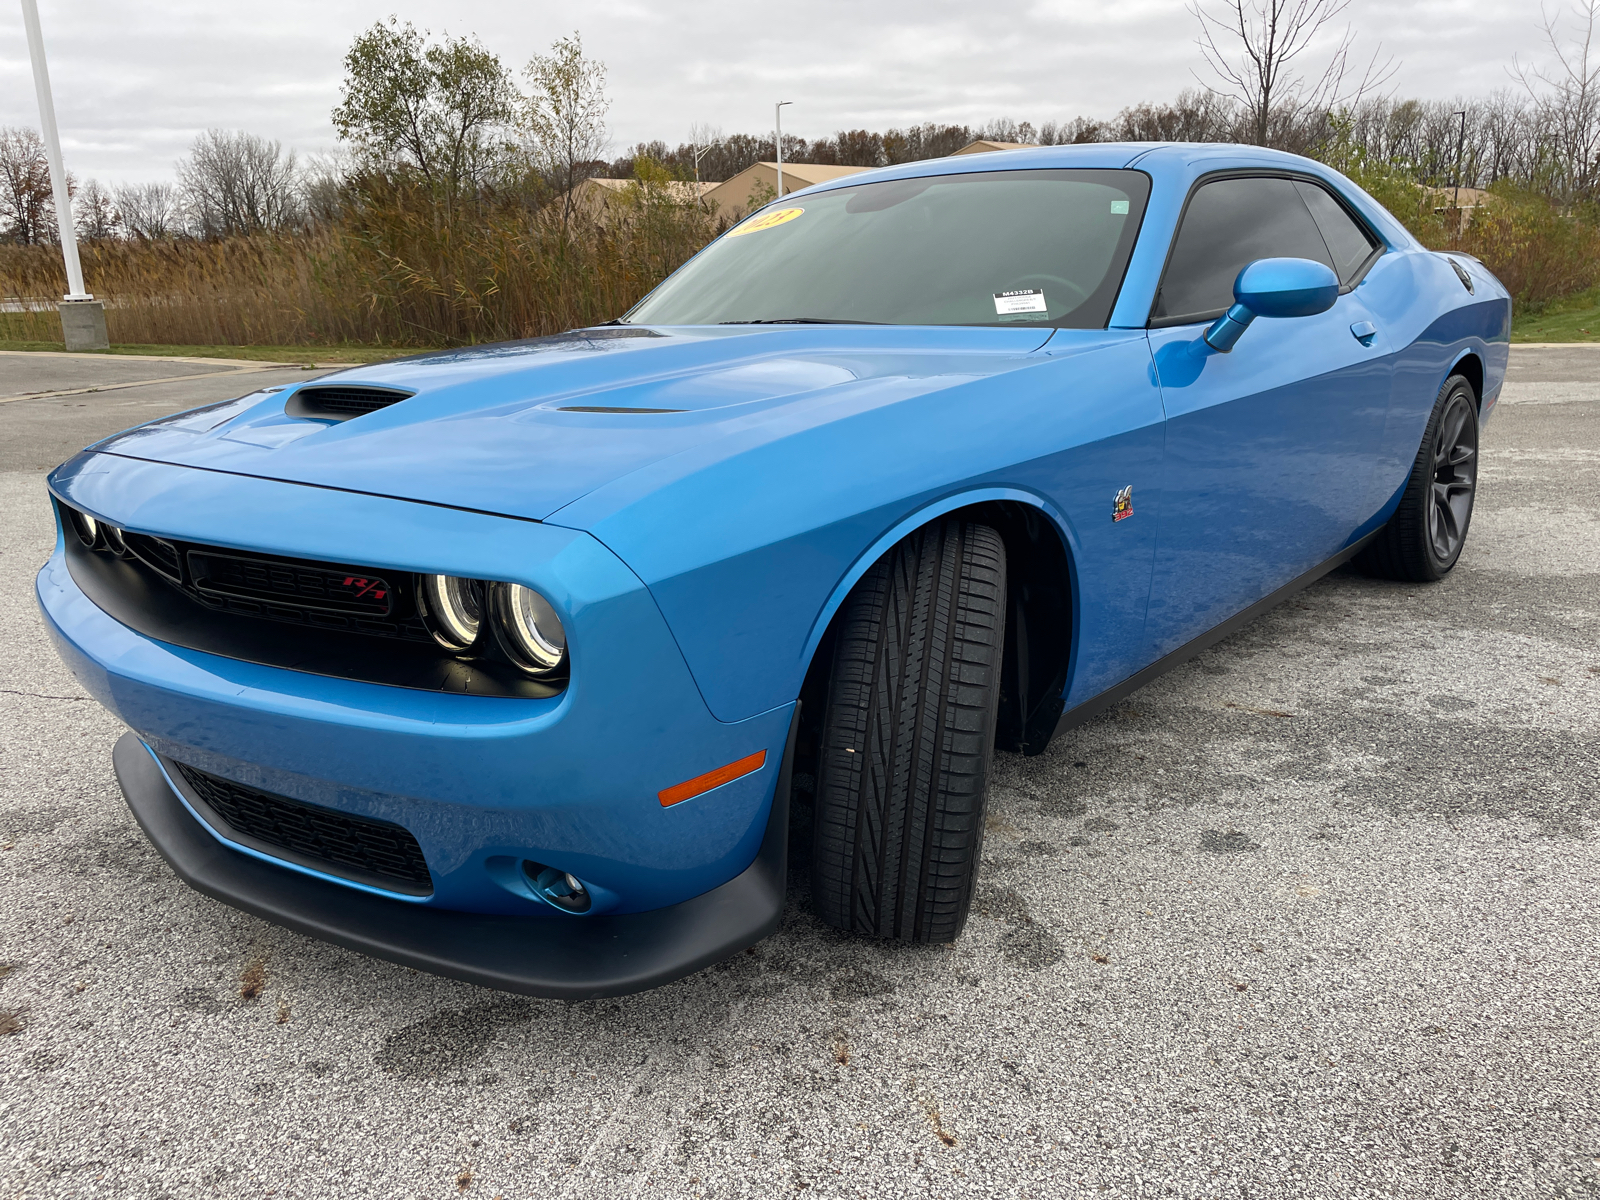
(907, 736)
(1424, 538)
(1455, 476)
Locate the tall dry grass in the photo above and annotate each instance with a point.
(395, 269)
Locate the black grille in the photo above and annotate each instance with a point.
(339, 589)
(341, 402)
(298, 613)
(155, 552)
(358, 847)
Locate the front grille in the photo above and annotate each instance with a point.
(341, 402)
(328, 618)
(374, 851)
(155, 552)
(339, 590)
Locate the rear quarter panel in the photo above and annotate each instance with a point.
(1433, 323)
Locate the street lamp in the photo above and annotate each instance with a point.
(83, 318)
(777, 120)
(700, 152)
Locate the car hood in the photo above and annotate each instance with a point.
(504, 428)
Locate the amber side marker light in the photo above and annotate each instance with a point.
(713, 779)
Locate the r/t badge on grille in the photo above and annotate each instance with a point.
(361, 588)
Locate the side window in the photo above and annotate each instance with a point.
(1228, 225)
(1347, 241)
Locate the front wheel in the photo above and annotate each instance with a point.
(907, 736)
(1423, 539)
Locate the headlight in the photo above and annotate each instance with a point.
(533, 632)
(114, 541)
(85, 526)
(454, 612)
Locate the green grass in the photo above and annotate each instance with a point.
(289, 354)
(1571, 319)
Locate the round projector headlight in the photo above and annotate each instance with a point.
(85, 526)
(451, 605)
(113, 537)
(532, 630)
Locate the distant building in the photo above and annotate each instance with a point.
(983, 146)
(597, 197)
(755, 185)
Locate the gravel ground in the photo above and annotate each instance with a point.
(1314, 915)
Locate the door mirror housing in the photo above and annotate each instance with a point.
(1274, 287)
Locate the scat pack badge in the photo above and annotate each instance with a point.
(1122, 506)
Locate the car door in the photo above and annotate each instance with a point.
(1271, 448)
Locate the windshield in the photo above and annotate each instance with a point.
(991, 248)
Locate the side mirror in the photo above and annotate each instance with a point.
(1274, 287)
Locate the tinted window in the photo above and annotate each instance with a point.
(1346, 240)
(1227, 226)
(1044, 247)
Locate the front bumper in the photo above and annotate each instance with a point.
(561, 959)
(570, 781)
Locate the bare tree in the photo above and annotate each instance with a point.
(27, 206)
(565, 116)
(149, 211)
(93, 214)
(325, 184)
(1253, 48)
(1571, 107)
(238, 183)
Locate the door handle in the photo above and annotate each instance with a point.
(1364, 332)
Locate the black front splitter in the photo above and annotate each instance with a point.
(565, 958)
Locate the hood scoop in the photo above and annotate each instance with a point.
(340, 402)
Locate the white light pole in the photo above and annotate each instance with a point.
(700, 152)
(85, 327)
(777, 120)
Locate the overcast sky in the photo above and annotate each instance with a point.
(135, 80)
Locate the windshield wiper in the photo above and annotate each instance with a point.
(802, 321)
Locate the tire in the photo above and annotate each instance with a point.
(1424, 538)
(907, 736)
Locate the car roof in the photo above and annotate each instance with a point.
(1173, 156)
(1173, 165)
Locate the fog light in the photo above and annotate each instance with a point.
(557, 888)
(451, 606)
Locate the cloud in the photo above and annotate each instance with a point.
(135, 84)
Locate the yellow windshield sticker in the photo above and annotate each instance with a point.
(766, 220)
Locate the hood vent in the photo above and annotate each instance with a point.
(340, 402)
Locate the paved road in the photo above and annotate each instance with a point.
(1315, 915)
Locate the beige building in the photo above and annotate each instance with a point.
(984, 147)
(597, 197)
(755, 185)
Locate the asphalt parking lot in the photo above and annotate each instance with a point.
(1314, 915)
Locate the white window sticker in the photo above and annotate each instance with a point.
(1119, 208)
(1023, 300)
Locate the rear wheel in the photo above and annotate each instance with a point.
(907, 736)
(1424, 538)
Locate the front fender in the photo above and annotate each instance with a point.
(750, 552)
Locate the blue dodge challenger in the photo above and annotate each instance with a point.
(506, 662)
